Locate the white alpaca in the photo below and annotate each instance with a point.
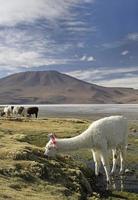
(101, 135)
(8, 111)
(18, 111)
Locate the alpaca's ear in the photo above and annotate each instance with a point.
(51, 136)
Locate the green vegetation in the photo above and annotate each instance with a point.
(25, 173)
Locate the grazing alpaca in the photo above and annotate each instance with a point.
(8, 111)
(32, 111)
(101, 135)
(18, 110)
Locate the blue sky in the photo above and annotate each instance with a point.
(93, 40)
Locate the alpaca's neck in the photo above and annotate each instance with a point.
(81, 141)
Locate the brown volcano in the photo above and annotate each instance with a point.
(48, 87)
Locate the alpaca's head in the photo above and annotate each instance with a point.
(51, 147)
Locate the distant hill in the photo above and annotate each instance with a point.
(52, 87)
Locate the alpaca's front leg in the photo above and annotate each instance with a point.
(97, 163)
(105, 162)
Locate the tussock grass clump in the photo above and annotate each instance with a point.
(32, 167)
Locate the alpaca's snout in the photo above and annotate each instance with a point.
(46, 156)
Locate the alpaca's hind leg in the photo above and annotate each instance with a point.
(115, 156)
(97, 162)
(122, 159)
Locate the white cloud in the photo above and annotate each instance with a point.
(83, 58)
(31, 47)
(21, 49)
(16, 11)
(99, 76)
(15, 58)
(87, 58)
(124, 52)
(91, 58)
(129, 82)
(133, 36)
(81, 29)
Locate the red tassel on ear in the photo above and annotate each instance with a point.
(54, 141)
(53, 138)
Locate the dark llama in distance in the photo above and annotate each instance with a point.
(32, 111)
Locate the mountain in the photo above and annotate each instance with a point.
(49, 87)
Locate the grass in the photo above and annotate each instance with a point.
(25, 173)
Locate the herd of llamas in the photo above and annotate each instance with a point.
(17, 111)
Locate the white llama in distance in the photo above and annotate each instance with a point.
(102, 135)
